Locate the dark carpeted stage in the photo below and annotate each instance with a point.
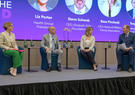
(69, 82)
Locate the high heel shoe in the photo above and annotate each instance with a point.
(12, 72)
(95, 69)
(96, 65)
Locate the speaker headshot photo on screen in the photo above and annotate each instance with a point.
(43, 5)
(130, 6)
(79, 7)
(109, 8)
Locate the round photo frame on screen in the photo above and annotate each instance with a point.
(110, 8)
(43, 5)
(130, 7)
(79, 7)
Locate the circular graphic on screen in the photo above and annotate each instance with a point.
(109, 8)
(43, 5)
(79, 7)
(130, 6)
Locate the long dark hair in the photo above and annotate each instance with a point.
(114, 1)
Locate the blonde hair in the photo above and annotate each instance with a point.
(7, 24)
(87, 31)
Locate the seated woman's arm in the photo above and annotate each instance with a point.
(2, 42)
(92, 43)
(15, 44)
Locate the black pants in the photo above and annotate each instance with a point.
(131, 54)
(88, 56)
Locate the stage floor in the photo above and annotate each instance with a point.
(66, 75)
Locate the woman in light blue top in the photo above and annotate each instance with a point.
(41, 5)
(87, 46)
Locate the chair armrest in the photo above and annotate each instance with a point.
(94, 50)
(2, 54)
(20, 48)
(42, 50)
(78, 48)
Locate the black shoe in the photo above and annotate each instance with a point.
(59, 69)
(96, 65)
(95, 70)
(130, 70)
(119, 69)
(49, 69)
